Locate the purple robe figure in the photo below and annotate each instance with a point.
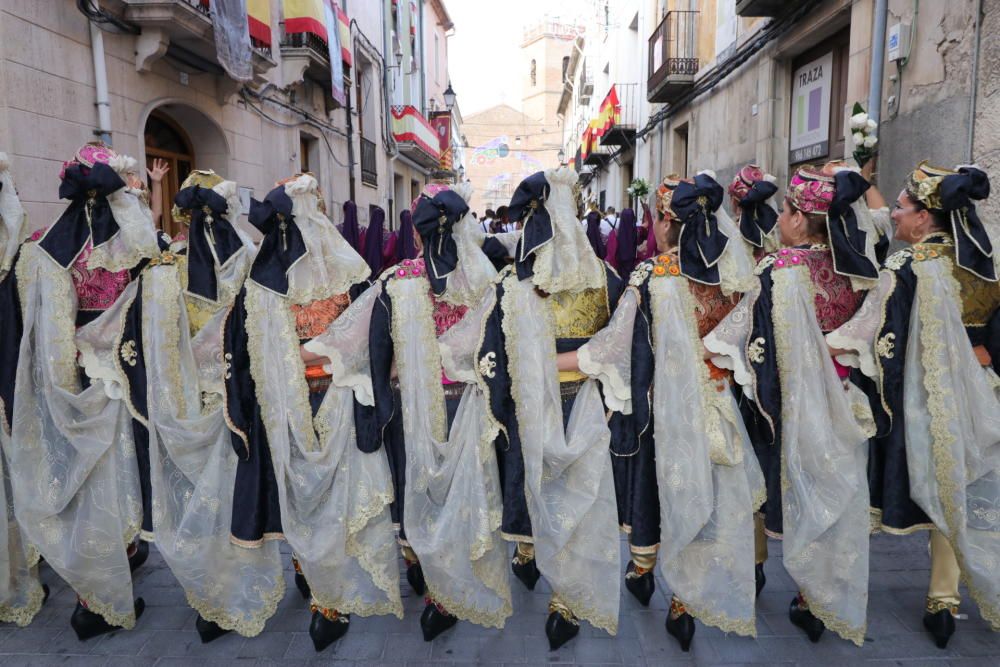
(405, 246)
(374, 239)
(349, 228)
(625, 257)
(594, 234)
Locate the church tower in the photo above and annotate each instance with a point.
(545, 55)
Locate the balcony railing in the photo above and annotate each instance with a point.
(181, 30)
(673, 56)
(369, 167)
(764, 7)
(598, 156)
(306, 40)
(626, 118)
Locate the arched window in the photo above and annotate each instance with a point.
(533, 79)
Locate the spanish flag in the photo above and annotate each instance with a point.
(314, 16)
(608, 115)
(259, 18)
(306, 16)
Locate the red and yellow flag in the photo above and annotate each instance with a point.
(306, 16)
(259, 18)
(608, 115)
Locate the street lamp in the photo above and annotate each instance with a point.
(562, 156)
(449, 97)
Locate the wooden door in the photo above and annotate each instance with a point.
(167, 140)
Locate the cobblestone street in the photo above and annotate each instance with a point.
(165, 635)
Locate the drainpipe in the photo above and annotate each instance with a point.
(350, 123)
(973, 95)
(103, 103)
(878, 60)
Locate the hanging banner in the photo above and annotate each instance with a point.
(812, 86)
(305, 16)
(232, 38)
(259, 18)
(338, 93)
(441, 122)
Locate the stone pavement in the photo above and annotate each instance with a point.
(165, 635)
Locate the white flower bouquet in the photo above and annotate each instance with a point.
(864, 135)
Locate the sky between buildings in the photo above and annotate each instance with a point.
(484, 52)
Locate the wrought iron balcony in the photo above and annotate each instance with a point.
(180, 30)
(673, 56)
(305, 56)
(598, 156)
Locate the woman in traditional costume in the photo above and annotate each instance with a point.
(21, 593)
(929, 336)
(815, 464)
(549, 427)
(75, 445)
(688, 480)
(159, 348)
(300, 478)
(447, 503)
(750, 194)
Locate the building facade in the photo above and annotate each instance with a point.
(147, 77)
(728, 82)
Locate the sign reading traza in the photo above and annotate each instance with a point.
(810, 121)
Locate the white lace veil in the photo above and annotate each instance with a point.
(474, 272)
(567, 263)
(330, 266)
(12, 217)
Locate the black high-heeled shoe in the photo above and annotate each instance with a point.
(681, 627)
(941, 625)
(324, 631)
(560, 629)
(208, 630)
(800, 615)
(525, 570)
(759, 578)
(87, 624)
(139, 556)
(415, 577)
(435, 620)
(641, 586)
(303, 586)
